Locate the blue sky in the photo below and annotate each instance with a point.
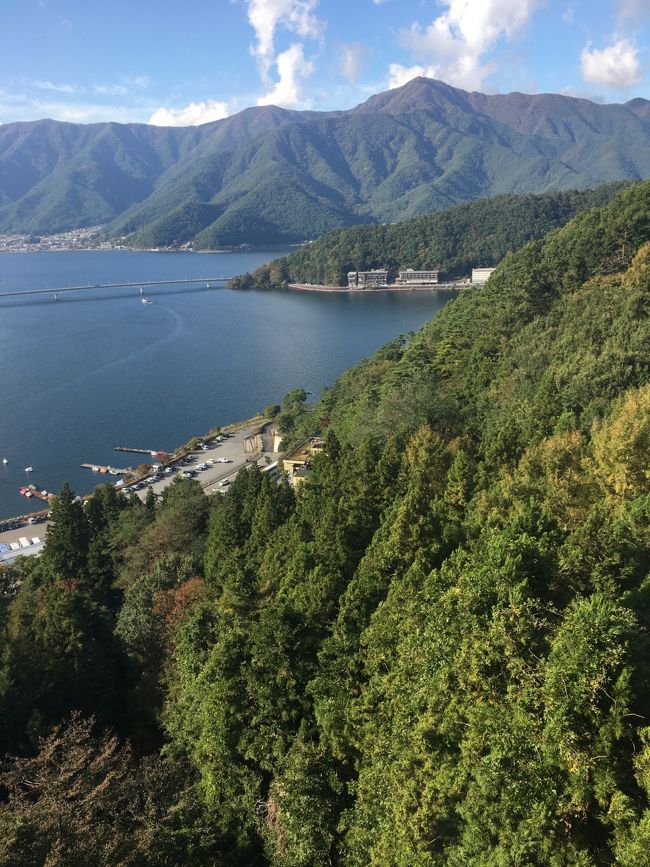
(168, 62)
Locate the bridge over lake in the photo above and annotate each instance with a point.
(209, 281)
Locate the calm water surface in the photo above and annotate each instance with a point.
(99, 369)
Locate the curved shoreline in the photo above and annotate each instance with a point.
(314, 287)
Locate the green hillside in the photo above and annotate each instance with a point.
(455, 240)
(56, 176)
(434, 652)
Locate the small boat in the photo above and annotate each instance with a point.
(5, 461)
(29, 469)
(146, 301)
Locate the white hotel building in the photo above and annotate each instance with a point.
(409, 277)
(362, 279)
(481, 275)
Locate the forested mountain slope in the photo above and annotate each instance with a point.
(454, 240)
(434, 653)
(56, 176)
(269, 175)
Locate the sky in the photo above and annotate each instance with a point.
(175, 63)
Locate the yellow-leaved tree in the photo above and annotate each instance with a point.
(621, 446)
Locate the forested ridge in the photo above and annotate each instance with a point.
(268, 175)
(434, 652)
(477, 234)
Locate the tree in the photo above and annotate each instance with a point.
(60, 655)
(65, 551)
(85, 798)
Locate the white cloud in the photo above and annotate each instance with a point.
(569, 14)
(25, 108)
(112, 89)
(140, 81)
(399, 75)
(292, 66)
(295, 16)
(617, 65)
(124, 87)
(57, 87)
(193, 114)
(265, 16)
(352, 54)
(452, 47)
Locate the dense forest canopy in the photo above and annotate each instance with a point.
(434, 652)
(456, 240)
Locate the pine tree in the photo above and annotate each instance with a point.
(65, 553)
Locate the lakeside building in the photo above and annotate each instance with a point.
(363, 279)
(297, 463)
(409, 277)
(480, 276)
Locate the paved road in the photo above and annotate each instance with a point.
(210, 480)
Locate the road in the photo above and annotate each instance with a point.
(231, 448)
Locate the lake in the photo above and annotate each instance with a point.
(99, 369)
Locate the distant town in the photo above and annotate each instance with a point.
(87, 238)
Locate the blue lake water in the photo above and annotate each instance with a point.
(98, 369)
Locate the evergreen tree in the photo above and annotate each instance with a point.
(65, 552)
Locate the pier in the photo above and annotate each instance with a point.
(151, 452)
(209, 281)
(99, 468)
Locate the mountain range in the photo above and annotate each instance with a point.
(270, 175)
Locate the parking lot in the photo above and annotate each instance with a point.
(214, 466)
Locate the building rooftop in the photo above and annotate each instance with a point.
(305, 451)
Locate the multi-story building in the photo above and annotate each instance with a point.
(297, 463)
(409, 277)
(363, 279)
(481, 275)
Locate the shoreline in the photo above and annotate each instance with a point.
(440, 287)
(180, 451)
(241, 248)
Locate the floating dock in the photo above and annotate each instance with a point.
(99, 468)
(32, 491)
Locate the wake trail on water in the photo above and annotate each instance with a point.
(179, 326)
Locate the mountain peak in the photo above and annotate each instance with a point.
(418, 94)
